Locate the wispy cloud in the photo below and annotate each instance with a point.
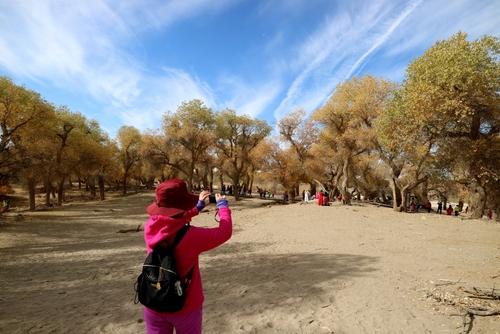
(160, 94)
(326, 53)
(473, 17)
(79, 47)
(247, 98)
(386, 32)
(382, 38)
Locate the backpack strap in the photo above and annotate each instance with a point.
(179, 235)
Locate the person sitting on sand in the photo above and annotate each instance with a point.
(413, 207)
(449, 211)
(457, 210)
(173, 208)
(326, 199)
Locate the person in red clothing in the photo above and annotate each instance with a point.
(173, 208)
(320, 198)
(449, 211)
(326, 199)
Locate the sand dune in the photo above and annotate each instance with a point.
(287, 269)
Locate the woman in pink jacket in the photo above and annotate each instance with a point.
(173, 208)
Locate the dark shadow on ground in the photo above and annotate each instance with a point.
(293, 284)
(93, 281)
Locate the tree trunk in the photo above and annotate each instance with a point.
(101, 187)
(79, 183)
(124, 185)
(91, 181)
(404, 202)
(346, 196)
(251, 182)
(421, 192)
(236, 187)
(31, 191)
(312, 186)
(477, 200)
(191, 176)
(396, 195)
(60, 191)
(211, 179)
(221, 178)
(205, 177)
(47, 192)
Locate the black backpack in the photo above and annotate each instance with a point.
(159, 286)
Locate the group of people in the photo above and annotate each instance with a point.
(264, 193)
(323, 198)
(450, 210)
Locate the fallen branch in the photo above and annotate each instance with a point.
(138, 229)
(483, 294)
(482, 311)
(467, 323)
(447, 282)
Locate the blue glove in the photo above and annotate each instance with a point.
(222, 203)
(200, 205)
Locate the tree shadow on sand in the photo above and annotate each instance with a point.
(251, 285)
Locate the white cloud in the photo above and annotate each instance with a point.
(435, 20)
(249, 99)
(345, 43)
(382, 38)
(329, 49)
(160, 13)
(80, 46)
(161, 94)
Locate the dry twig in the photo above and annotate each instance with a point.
(138, 229)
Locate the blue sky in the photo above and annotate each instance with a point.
(127, 62)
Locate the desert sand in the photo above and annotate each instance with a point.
(295, 268)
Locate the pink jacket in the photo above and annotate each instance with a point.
(194, 242)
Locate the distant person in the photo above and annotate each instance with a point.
(490, 214)
(303, 195)
(449, 211)
(307, 196)
(440, 208)
(285, 196)
(172, 210)
(466, 209)
(5, 206)
(429, 206)
(326, 199)
(457, 210)
(320, 198)
(413, 207)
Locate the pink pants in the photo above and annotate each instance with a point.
(189, 323)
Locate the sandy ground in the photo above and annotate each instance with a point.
(287, 269)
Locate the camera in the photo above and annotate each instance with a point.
(211, 198)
